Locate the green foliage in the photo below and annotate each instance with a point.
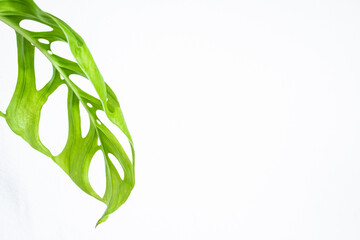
(23, 112)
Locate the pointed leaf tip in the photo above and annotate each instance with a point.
(101, 220)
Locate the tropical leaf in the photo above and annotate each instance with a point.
(23, 112)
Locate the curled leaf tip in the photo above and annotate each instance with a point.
(101, 220)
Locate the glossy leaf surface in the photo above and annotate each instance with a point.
(23, 112)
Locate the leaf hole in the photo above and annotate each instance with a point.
(53, 129)
(62, 49)
(44, 41)
(43, 69)
(85, 121)
(84, 84)
(35, 26)
(120, 136)
(98, 121)
(89, 105)
(117, 165)
(50, 52)
(97, 177)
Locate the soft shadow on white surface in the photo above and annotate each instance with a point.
(245, 117)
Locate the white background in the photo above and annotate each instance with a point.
(245, 117)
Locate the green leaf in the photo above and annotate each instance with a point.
(23, 112)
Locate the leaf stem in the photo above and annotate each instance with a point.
(2, 114)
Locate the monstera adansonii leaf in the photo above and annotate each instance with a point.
(23, 112)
